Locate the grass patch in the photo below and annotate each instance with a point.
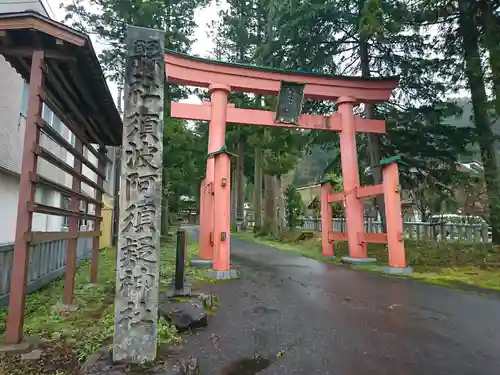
(68, 339)
(474, 267)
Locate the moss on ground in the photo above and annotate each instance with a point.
(68, 339)
(471, 267)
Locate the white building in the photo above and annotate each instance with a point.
(13, 109)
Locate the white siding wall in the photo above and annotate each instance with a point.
(11, 134)
(9, 193)
(11, 95)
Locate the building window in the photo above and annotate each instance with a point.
(46, 114)
(83, 206)
(72, 139)
(65, 205)
(50, 118)
(56, 123)
(109, 171)
(83, 225)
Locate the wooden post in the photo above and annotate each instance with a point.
(350, 174)
(69, 275)
(327, 246)
(136, 302)
(180, 257)
(94, 265)
(15, 317)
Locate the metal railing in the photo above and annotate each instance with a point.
(420, 231)
(47, 262)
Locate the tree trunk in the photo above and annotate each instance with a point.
(269, 226)
(486, 139)
(373, 139)
(375, 157)
(281, 205)
(257, 195)
(491, 40)
(240, 176)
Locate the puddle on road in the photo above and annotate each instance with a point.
(246, 366)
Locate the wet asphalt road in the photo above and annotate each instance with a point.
(327, 319)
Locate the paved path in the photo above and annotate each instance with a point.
(332, 320)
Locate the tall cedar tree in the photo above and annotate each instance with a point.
(471, 22)
(384, 36)
(246, 34)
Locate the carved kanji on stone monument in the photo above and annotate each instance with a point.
(136, 303)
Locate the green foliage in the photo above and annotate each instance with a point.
(282, 151)
(311, 166)
(184, 159)
(336, 181)
(293, 206)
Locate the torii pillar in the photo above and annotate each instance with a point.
(221, 268)
(216, 142)
(350, 177)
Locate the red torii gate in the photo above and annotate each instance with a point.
(222, 78)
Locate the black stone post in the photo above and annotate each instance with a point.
(180, 261)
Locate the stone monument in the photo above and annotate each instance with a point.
(137, 272)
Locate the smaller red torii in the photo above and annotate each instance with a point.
(222, 78)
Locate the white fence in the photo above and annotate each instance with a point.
(420, 231)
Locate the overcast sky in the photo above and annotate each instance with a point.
(202, 46)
